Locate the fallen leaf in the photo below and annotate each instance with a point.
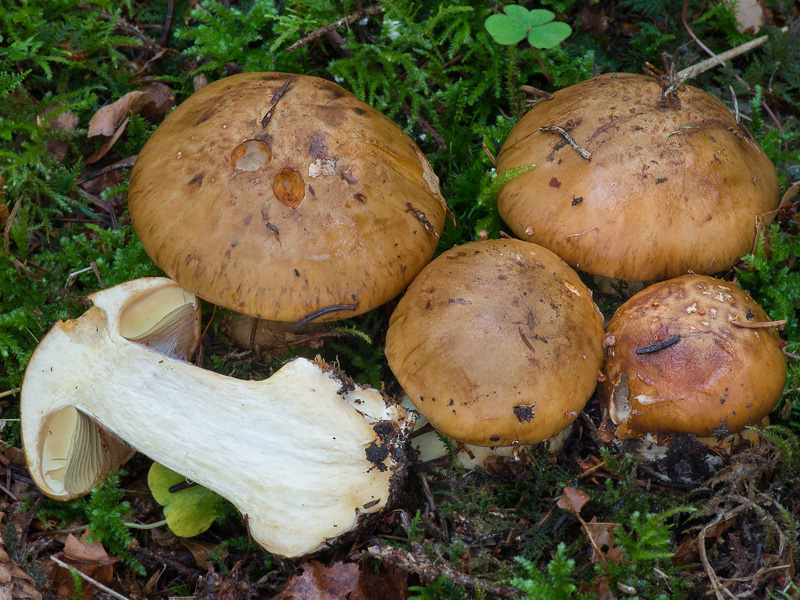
(593, 19)
(15, 584)
(199, 82)
(573, 500)
(202, 550)
(606, 431)
(386, 583)
(107, 120)
(162, 99)
(602, 536)
(318, 582)
(80, 550)
(108, 144)
(91, 559)
(749, 15)
(601, 589)
(65, 120)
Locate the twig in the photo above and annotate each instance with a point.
(85, 577)
(688, 29)
(529, 89)
(524, 339)
(274, 101)
(758, 324)
(131, 29)
(594, 227)
(425, 126)
(374, 9)
(167, 22)
(719, 59)
(10, 392)
(7, 232)
(121, 164)
(582, 151)
(716, 585)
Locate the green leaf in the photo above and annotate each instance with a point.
(537, 16)
(549, 35)
(505, 30)
(190, 511)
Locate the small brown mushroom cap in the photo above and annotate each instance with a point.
(497, 342)
(673, 183)
(723, 373)
(279, 204)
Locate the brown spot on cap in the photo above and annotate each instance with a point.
(289, 187)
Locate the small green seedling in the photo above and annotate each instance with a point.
(189, 511)
(518, 22)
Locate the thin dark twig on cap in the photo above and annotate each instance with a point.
(429, 227)
(582, 151)
(525, 339)
(320, 313)
(274, 101)
(659, 346)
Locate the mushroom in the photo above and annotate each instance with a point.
(284, 197)
(691, 355)
(638, 178)
(497, 343)
(303, 455)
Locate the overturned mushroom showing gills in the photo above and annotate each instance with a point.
(657, 180)
(691, 355)
(303, 454)
(284, 196)
(497, 343)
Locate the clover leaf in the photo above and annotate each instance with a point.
(190, 511)
(518, 22)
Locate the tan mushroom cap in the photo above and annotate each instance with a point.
(721, 375)
(327, 202)
(668, 189)
(497, 342)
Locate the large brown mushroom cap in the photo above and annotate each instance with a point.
(721, 375)
(674, 184)
(325, 202)
(497, 342)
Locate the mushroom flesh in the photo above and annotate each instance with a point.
(303, 455)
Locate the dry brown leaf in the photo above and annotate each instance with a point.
(573, 500)
(64, 121)
(15, 583)
(199, 82)
(151, 587)
(108, 144)
(318, 582)
(749, 15)
(388, 583)
(202, 550)
(90, 559)
(602, 536)
(161, 101)
(601, 589)
(108, 119)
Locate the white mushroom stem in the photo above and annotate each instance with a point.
(302, 454)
